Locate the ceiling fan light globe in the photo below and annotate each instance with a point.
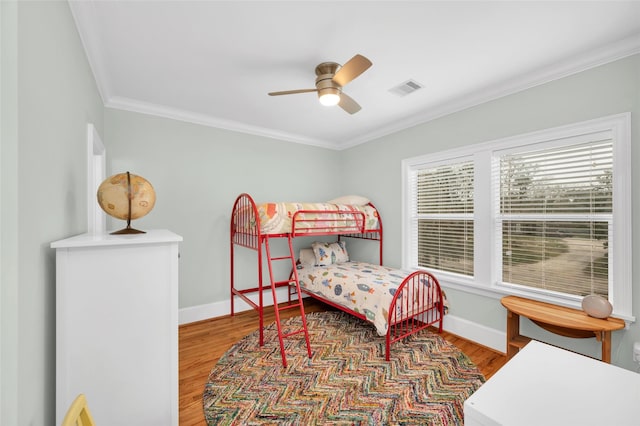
(329, 99)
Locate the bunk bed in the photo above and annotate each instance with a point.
(397, 303)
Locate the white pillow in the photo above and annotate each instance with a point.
(307, 257)
(355, 200)
(330, 253)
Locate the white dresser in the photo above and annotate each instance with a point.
(117, 326)
(546, 385)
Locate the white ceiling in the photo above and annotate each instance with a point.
(213, 62)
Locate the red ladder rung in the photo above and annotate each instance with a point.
(282, 308)
(281, 258)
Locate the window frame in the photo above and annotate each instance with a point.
(486, 280)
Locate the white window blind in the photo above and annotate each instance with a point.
(555, 217)
(444, 217)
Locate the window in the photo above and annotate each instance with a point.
(545, 215)
(443, 216)
(555, 217)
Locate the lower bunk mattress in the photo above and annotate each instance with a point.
(364, 288)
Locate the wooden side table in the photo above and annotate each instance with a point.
(556, 319)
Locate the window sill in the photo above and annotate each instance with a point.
(497, 292)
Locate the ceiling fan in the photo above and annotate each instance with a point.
(331, 77)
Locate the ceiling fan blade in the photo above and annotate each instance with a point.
(292, 92)
(353, 68)
(348, 104)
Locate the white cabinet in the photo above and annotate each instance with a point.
(546, 385)
(117, 326)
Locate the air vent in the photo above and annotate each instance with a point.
(405, 88)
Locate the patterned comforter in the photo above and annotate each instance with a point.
(362, 287)
(276, 218)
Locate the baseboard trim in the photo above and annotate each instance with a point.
(219, 309)
(478, 333)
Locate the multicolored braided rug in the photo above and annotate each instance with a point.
(346, 382)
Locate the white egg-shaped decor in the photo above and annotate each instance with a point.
(596, 306)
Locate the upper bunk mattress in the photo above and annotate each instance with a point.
(276, 218)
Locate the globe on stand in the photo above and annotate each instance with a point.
(126, 196)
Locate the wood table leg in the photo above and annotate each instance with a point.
(513, 331)
(606, 346)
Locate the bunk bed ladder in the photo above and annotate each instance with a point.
(291, 281)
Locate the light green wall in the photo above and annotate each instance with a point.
(43, 191)
(605, 90)
(8, 213)
(197, 173)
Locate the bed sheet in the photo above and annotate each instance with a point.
(362, 287)
(276, 218)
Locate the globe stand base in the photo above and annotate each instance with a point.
(128, 230)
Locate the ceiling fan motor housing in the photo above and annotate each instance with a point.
(324, 80)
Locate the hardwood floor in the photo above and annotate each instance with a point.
(201, 344)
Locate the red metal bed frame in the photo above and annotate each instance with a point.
(427, 305)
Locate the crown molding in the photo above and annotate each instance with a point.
(83, 16)
(607, 54)
(133, 105)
